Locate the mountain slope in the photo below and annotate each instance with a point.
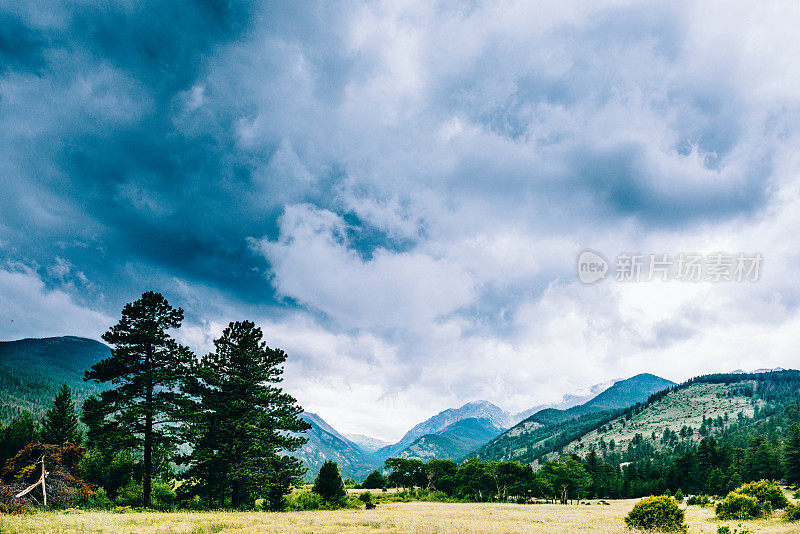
(436, 424)
(366, 443)
(569, 400)
(736, 409)
(624, 393)
(454, 442)
(703, 407)
(325, 443)
(32, 370)
(528, 437)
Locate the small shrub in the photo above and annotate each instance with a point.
(698, 500)
(130, 495)
(679, 495)
(791, 512)
(162, 496)
(660, 513)
(741, 506)
(366, 498)
(99, 501)
(765, 491)
(304, 500)
(122, 509)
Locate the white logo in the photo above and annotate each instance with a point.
(591, 267)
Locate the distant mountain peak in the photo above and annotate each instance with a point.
(367, 443)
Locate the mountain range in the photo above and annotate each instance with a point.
(31, 370)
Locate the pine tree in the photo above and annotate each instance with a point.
(329, 484)
(242, 425)
(21, 431)
(60, 424)
(145, 366)
(791, 455)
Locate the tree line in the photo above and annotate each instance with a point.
(221, 423)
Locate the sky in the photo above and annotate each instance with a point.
(397, 192)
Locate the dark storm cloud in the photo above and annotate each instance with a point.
(146, 141)
(96, 145)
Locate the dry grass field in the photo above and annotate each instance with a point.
(415, 517)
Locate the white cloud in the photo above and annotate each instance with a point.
(312, 263)
(29, 309)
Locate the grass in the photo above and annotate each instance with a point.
(407, 518)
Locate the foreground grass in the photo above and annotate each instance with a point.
(414, 517)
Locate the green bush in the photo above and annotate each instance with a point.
(740, 506)
(723, 529)
(698, 500)
(679, 495)
(162, 496)
(304, 500)
(99, 501)
(129, 495)
(366, 498)
(766, 491)
(660, 513)
(791, 512)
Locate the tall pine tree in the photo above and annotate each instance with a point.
(60, 423)
(145, 367)
(791, 455)
(243, 424)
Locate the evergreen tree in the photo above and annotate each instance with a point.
(145, 366)
(20, 432)
(60, 424)
(374, 480)
(791, 455)
(242, 425)
(329, 484)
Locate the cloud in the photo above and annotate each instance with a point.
(404, 188)
(29, 309)
(313, 264)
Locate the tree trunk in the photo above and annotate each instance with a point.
(147, 474)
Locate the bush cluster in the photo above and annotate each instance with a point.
(765, 491)
(660, 513)
(741, 506)
(163, 496)
(791, 512)
(753, 500)
(698, 500)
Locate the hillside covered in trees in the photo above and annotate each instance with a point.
(702, 436)
(33, 370)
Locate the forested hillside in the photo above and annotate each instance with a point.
(552, 428)
(706, 435)
(32, 371)
(326, 443)
(454, 441)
